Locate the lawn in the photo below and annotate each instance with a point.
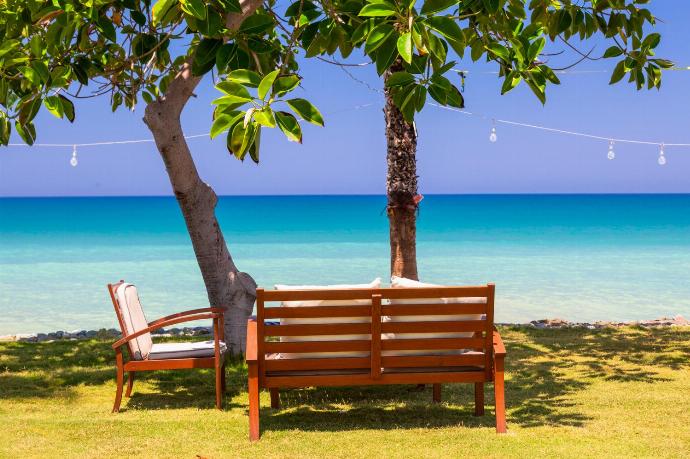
(570, 393)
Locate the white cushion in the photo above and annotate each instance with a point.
(164, 351)
(401, 282)
(134, 320)
(376, 283)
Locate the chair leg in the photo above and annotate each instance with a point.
(254, 432)
(499, 396)
(219, 386)
(275, 398)
(120, 381)
(130, 384)
(479, 399)
(437, 393)
(222, 379)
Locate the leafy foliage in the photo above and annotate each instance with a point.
(131, 50)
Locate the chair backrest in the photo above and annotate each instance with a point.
(131, 318)
(396, 328)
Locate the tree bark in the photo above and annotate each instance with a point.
(401, 186)
(226, 286)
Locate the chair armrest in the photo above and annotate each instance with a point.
(499, 348)
(164, 323)
(187, 313)
(252, 342)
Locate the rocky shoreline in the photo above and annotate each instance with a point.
(676, 321)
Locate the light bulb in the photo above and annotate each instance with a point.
(493, 137)
(611, 154)
(74, 161)
(662, 158)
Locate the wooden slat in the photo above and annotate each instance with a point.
(433, 361)
(325, 294)
(316, 311)
(437, 343)
(317, 364)
(488, 337)
(433, 309)
(365, 379)
(434, 327)
(435, 292)
(317, 346)
(170, 364)
(317, 329)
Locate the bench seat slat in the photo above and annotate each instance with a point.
(317, 346)
(434, 327)
(317, 329)
(469, 359)
(317, 364)
(434, 343)
(364, 379)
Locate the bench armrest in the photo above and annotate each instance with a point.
(165, 323)
(252, 342)
(187, 313)
(499, 348)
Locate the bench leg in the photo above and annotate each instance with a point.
(275, 399)
(130, 384)
(120, 381)
(219, 386)
(254, 432)
(479, 399)
(437, 393)
(499, 396)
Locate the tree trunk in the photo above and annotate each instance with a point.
(226, 286)
(401, 187)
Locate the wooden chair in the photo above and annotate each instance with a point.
(144, 355)
(385, 347)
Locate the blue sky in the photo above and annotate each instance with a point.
(348, 155)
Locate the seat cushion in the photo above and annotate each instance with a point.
(164, 351)
(376, 283)
(133, 320)
(401, 282)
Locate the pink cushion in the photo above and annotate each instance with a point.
(134, 320)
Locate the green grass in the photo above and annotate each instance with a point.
(570, 393)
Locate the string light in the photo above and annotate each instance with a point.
(493, 137)
(662, 158)
(611, 154)
(74, 161)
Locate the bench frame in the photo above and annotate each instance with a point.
(486, 365)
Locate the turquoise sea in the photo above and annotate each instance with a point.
(580, 257)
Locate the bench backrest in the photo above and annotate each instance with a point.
(375, 330)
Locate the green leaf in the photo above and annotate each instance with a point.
(53, 105)
(306, 110)
(434, 6)
(233, 89)
(165, 12)
(290, 126)
(377, 37)
(499, 50)
(267, 83)
(455, 98)
(613, 51)
(194, 7)
(535, 48)
(5, 129)
(399, 79)
(246, 77)
(254, 147)
(405, 46)
(446, 27)
(265, 117)
(27, 132)
(618, 72)
(285, 84)
(205, 55)
(383, 9)
(651, 41)
(491, 5)
(257, 23)
(564, 21)
(31, 75)
(386, 54)
(231, 99)
(225, 122)
(511, 80)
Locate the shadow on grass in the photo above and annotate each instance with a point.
(545, 370)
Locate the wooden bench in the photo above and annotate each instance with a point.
(385, 356)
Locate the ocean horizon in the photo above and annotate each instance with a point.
(582, 257)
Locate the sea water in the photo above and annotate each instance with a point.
(579, 257)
